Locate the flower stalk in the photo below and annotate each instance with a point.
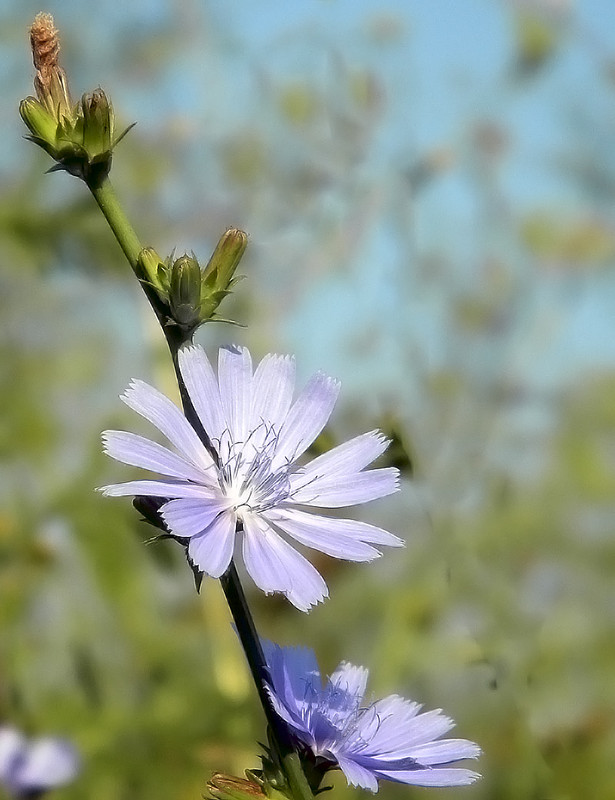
(176, 336)
(80, 138)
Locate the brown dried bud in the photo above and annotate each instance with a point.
(44, 41)
(50, 80)
(80, 137)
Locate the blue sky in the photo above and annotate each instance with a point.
(442, 67)
(448, 64)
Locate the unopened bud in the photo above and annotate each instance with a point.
(42, 124)
(190, 294)
(154, 271)
(185, 292)
(97, 123)
(228, 787)
(226, 257)
(218, 277)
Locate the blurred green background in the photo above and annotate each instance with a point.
(429, 189)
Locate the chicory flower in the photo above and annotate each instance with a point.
(389, 739)
(247, 484)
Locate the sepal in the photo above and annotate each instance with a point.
(228, 787)
(149, 508)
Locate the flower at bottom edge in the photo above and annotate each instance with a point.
(29, 767)
(389, 739)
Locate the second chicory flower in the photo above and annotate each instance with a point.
(389, 739)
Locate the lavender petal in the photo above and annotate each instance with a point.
(443, 776)
(200, 380)
(295, 676)
(350, 679)
(173, 489)
(189, 517)
(341, 538)
(306, 419)
(12, 743)
(47, 763)
(141, 452)
(275, 566)
(272, 391)
(356, 775)
(235, 381)
(333, 491)
(212, 550)
(445, 751)
(349, 457)
(403, 729)
(166, 416)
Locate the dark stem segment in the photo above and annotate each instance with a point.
(281, 740)
(250, 642)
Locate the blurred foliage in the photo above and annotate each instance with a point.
(585, 243)
(500, 610)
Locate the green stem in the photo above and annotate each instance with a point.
(131, 246)
(105, 196)
(118, 221)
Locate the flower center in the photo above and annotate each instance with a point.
(246, 475)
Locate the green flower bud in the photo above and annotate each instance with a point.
(87, 138)
(185, 292)
(154, 271)
(42, 124)
(190, 295)
(218, 277)
(256, 787)
(98, 122)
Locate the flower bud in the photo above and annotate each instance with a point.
(79, 137)
(41, 123)
(218, 277)
(185, 292)
(154, 271)
(192, 295)
(226, 257)
(98, 124)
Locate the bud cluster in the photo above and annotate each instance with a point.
(80, 137)
(190, 294)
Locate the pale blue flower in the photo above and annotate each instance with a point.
(29, 767)
(253, 489)
(387, 739)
